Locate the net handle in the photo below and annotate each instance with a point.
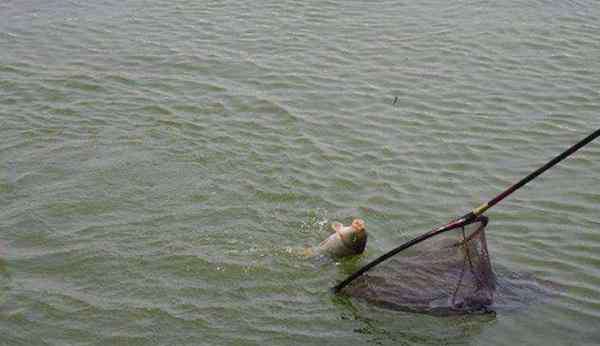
(471, 216)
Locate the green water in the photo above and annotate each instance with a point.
(160, 163)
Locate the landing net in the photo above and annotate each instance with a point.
(449, 273)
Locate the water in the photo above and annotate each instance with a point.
(166, 156)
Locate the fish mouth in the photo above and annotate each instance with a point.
(358, 225)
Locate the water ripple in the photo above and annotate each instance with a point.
(174, 159)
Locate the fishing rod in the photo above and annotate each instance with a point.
(473, 215)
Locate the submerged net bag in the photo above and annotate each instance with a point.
(449, 273)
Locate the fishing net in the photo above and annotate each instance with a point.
(449, 273)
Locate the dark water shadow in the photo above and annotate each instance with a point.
(381, 326)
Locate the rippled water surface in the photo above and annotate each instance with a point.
(163, 162)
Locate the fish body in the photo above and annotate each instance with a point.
(346, 241)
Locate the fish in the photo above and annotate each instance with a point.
(345, 241)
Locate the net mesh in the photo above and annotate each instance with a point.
(449, 273)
